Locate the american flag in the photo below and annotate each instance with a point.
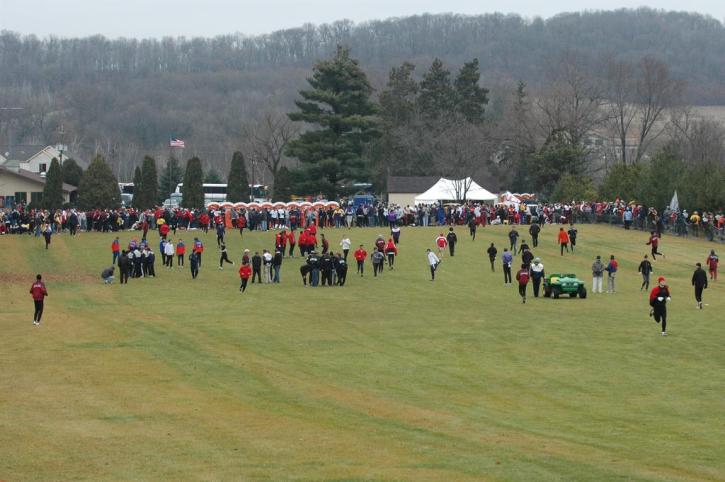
(174, 142)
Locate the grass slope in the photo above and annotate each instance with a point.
(387, 378)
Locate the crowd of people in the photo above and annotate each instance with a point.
(711, 224)
(301, 232)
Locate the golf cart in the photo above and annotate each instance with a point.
(557, 284)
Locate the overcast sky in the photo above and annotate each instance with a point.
(157, 18)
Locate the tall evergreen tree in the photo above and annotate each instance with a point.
(437, 97)
(99, 187)
(339, 106)
(72, 172)
(397, 101)
(53, 189)
(171, 175)
(149, 184)
(138, 198)
(193, 192)
(470, 97)
(237, 184)
(283, 184)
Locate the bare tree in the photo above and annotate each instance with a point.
(699, 141)
(267, 140)
(655, 92)
(573, 104)
(621, 87)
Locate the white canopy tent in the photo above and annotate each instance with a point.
(453, 190)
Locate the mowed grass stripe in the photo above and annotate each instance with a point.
(387, 378)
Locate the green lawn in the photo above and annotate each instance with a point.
(390, 378)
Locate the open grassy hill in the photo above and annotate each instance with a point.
(386, 378)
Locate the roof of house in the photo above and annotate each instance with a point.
(20, 152)
(410, 184)
(33, 177)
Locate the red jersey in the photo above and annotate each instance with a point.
(115, 246)
(245, 271)
(654, 241)
(180, 248)
(657, 292)
(164, 229)
(563, 237)
(360, 254)
(441, 242)
(38, 291)
(291, 237)
(712, 262)
(391, 248)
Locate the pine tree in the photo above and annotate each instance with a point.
(53, 190)
(193, 185)
(237, 184)
(98, 187)
(283, 184)
(470, 97)
(72, 172)
(340, 109)
(149, 184)
(171, 175)
(437, 97)
(137, 200)
(397, 101)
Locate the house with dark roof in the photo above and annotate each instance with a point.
(32, 158)
(21, 186)
(402, 190)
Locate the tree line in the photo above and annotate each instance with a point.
(124, 98)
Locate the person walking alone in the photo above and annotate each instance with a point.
(658, 298)
(645, 267)
(507, 259)
(699, 281)
(433, 262)
(223, 256)
(534, 231)
(522, 276)
(452, 240)
(245, 272)
(38, 291)
(563, 240)
(492, 252)
(537, 274)
(712, 262)
(360, 256)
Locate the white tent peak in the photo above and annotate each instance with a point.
(453, 190)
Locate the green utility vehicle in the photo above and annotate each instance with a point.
(557, 284)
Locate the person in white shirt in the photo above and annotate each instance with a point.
(345, 245)
(169, 252)
(433, 261)
(266, 267)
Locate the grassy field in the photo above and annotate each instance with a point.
(389, 378)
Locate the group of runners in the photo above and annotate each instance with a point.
(324, 267)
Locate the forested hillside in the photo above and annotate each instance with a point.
(124, 98)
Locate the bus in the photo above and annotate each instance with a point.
(212, 193)
(126, 189)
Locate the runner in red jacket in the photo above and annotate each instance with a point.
(245, 272)
(38, 292)
(392, 251)
(360, 256)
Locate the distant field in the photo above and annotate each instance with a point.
(394, 378)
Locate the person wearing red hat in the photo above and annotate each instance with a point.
(658, 298)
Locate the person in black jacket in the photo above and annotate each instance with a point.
(524, 246)
(276, 266)
(341, 269)
(313, 261)
(472, 227)
(452, 240)
(256, 267)
(645, 267)
(572, 237)
(534, 232)
(326, 269)
(492, 252)
(124, 267)
(699, 281)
